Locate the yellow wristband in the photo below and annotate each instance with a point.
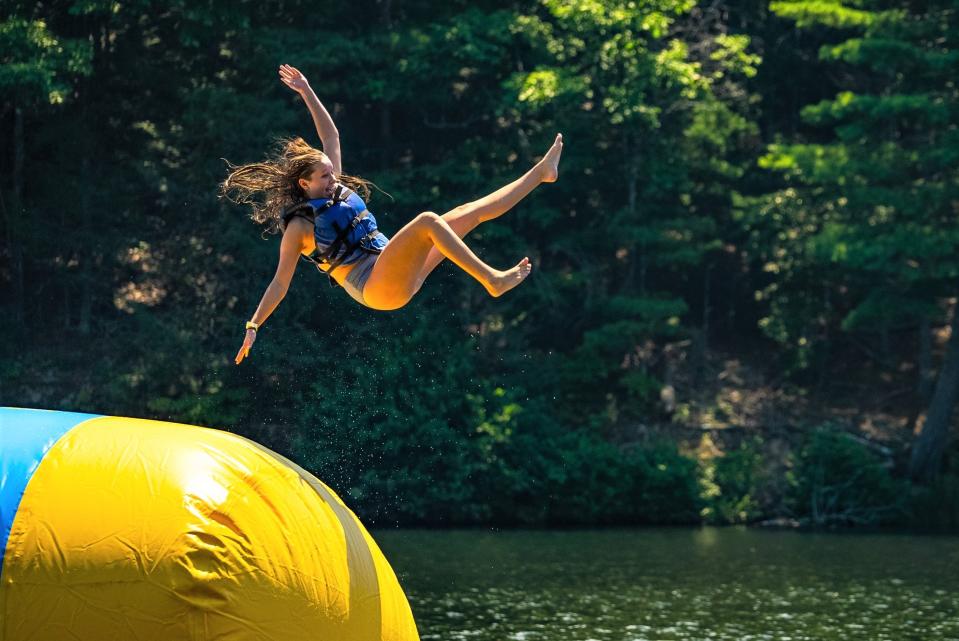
(252, 325)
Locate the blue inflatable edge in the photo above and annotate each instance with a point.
(25, 437)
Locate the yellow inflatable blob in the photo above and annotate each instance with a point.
(123, 528)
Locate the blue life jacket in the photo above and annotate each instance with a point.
(343, 228)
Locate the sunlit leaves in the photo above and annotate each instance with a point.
(733, 55)
(542, 86)
(35, 64)
(817, 163)
(826, 12)
(652, 16)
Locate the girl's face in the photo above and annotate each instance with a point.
(321, 182)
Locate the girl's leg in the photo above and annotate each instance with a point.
(396, 274)
(465, 218)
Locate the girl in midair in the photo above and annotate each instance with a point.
(303, 193)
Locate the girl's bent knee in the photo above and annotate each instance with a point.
(427, 218)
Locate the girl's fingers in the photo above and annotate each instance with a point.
(243, 353)
(290, 73)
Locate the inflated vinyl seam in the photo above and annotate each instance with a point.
(26, 435)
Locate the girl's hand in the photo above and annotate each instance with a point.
(293, 78)
(247, 344)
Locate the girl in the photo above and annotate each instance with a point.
(322, 216)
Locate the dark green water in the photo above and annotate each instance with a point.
(677, 584)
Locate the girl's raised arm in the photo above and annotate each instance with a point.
(329, 136)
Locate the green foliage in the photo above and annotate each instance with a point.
(37, 66)
(836, 480)
(605, 373)
(733, 483)
(457, 450)
(574, 478)
(413, 444)
(667, 486)
(827, 12)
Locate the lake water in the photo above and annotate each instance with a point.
(731, 584)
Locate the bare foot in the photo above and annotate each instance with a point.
(505, 281)
(550, 162)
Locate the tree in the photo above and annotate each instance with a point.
(870, 212)
(652, 96)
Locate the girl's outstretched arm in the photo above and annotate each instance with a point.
(290, 248)
(329, 136)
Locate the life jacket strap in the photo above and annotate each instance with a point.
(329, 254)
(360, 244)
(302, 210)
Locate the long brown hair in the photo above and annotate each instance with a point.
(273, 184)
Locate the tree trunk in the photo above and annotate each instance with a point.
(707, 299)
(826, 345)
(701, 342)
(926, 380)
(637, 255)
(632, 162)
(15, 216)
(86, 261)
(89, 172)
(929, 445)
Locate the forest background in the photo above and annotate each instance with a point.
(743, 300)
